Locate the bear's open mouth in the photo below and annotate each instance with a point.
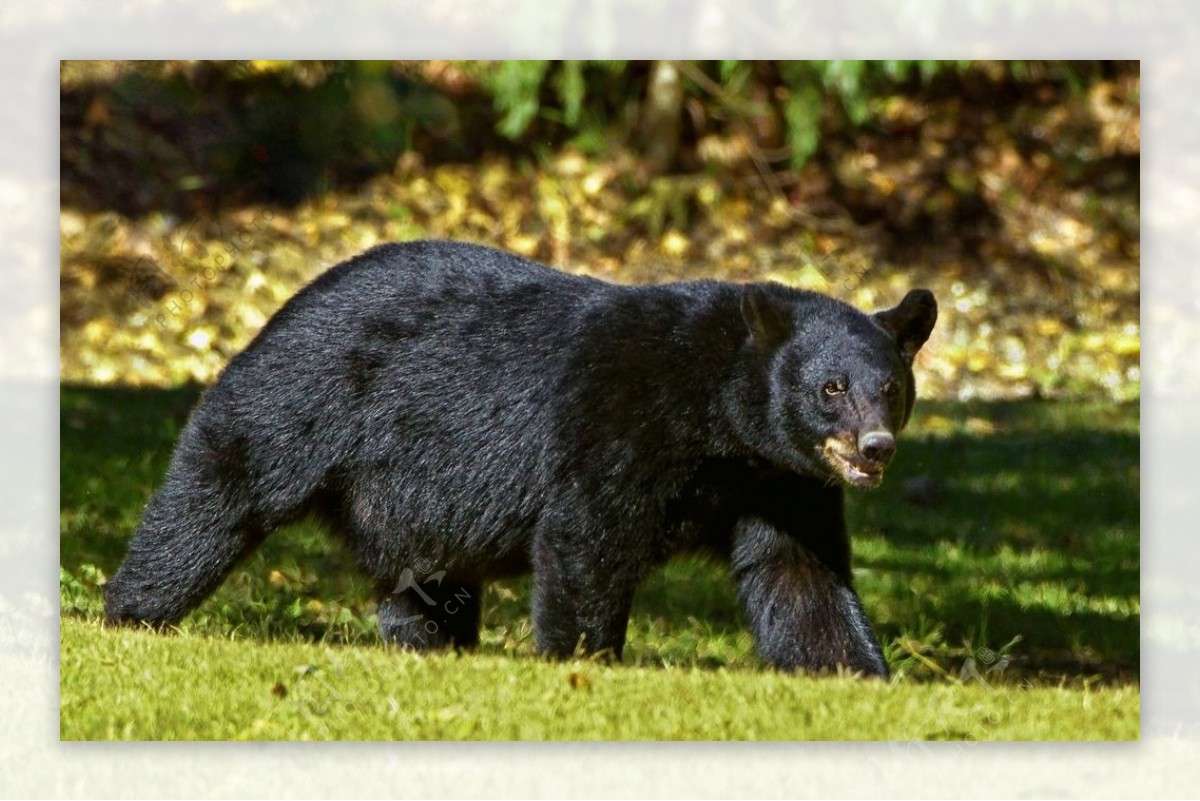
(853, 469)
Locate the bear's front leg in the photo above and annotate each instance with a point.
(581, 598)
(804, 614)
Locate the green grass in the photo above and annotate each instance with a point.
(136, 685)
(1005, 538)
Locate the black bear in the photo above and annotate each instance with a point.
(459, 414)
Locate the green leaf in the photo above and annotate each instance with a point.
(516, 85)
(803, 113)
(571, 91)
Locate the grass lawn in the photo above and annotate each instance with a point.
(999, 563)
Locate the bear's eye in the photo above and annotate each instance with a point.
(891, 389)
(835, 387)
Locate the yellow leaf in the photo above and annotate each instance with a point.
(737, 209)
(980, 425)
(199, 339)
(978, 361)
(1127, 345)
(97, 331)
(1050, 327)
(808, 276)
(260, 65)
(524, 244)
(674, 244)
(937, 423)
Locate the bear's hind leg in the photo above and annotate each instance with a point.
(431, 613)
(189, 540)
(216, 505)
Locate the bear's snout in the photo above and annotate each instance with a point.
(877, 447)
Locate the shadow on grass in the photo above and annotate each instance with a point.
(1000, 521)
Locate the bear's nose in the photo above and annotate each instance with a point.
(877, 446)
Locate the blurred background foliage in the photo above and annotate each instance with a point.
(198, 196)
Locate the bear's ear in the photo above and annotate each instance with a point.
(767, 316)
(911, 322)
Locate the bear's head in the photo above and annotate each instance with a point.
(829, 387)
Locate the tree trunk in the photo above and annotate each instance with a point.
(662, 116)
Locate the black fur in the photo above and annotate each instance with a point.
(459, 414)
